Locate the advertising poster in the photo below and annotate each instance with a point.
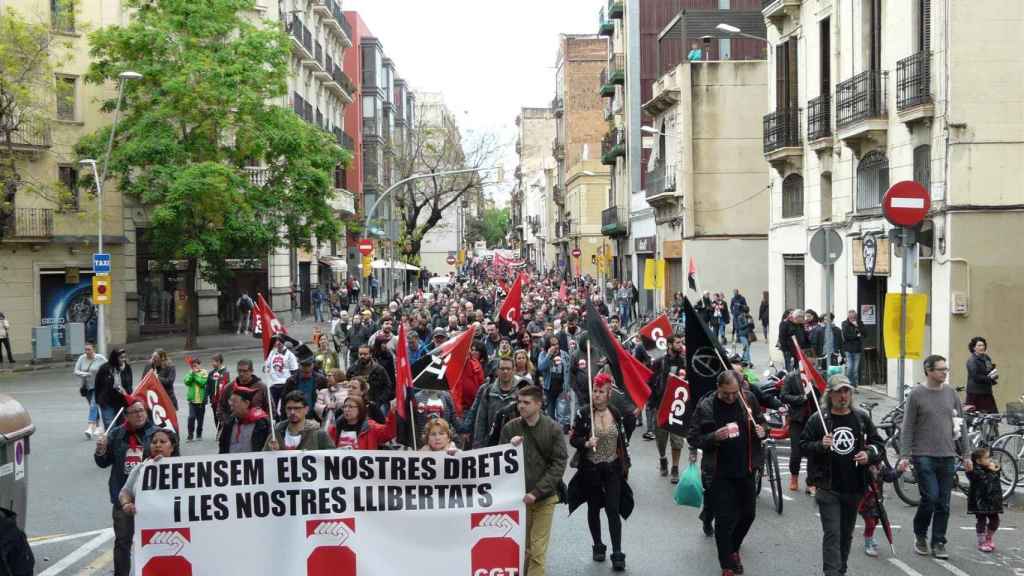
(62, 303)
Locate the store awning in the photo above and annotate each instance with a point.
(335, 263)
(393, 265)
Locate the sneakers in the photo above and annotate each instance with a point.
(663, 466)
(618, 561)
(938, 551)
(736, 563)
(983, 544)
(727, 572)
(794, 484)
(673, 477)
(648, 435)
(921, 546)
(871, 547)
(599, 552)
(988, 541)
(88, 433)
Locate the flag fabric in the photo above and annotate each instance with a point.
(808, 374)
(511, 315)
(672, 413)
(705, 357)
(403, 372)
(691, 274)
(654, 336)
(563, 292)
(629, 373)
(442, 368)
(270, 326)
(157, 401)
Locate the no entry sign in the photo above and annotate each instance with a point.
(906, 203)
(365, 246)
(576, 252)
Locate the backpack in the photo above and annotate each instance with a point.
(507, 413)
(16, 558)
(245, 302)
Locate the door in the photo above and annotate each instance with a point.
(305, 296)
(793, 278)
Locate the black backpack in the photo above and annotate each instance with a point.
(16, 558)
(508, 412)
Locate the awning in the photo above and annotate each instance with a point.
(394, 265)
(335, 263)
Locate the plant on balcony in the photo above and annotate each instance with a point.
(29, 54)
(200, 114)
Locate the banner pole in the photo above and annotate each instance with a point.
(412, 422)
(590, 386)
(113, 421)
(814, 396)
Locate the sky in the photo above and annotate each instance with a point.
(488, 57)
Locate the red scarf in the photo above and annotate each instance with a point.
(250, 417)
(133, 456)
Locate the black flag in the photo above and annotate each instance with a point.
(629, 373)
(705, 357)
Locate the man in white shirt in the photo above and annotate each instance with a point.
(279, 365)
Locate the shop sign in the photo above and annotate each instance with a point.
(645, 245)
(871, 255)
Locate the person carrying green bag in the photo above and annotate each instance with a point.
(689, 490)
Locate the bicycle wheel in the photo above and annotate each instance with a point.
(1014, 444)
(774, 479)
(758, 477)
(906, 482)
(1008, 470)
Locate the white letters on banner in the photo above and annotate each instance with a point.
(353, 513)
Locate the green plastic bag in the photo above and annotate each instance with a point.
(689, 491)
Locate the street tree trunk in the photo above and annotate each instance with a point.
(191, 306)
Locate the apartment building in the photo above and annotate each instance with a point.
(612, 88)
(581, 182)
(705, 178)
(438, 123)
(867, 93)
(532, 206)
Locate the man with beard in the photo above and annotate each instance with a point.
(380, 384)
(246, 379)
(247, 427)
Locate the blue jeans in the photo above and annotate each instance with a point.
(94, 410)
(624, 314)
(745, 341)
(107, 413)
(935, 481)
(853, 367)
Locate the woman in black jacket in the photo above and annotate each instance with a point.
(113, 383)
(981, 377)
(160, 363)
(801, 408)
(602, 459)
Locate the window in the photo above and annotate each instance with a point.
(923, 166)
(62, 16)
(786, 79)
(826, 197)
(793, 278)
(872, 180)
(68, 178)
(339, 176)
(793, 196)
(66, 97)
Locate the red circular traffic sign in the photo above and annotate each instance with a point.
(451, 260)
(576, 252)
(365, 246)
(906, 203)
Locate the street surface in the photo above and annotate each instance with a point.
(69, 510)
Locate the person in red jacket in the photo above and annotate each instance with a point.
(354, 431)
(472, 376)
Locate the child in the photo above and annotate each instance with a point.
(985, 497)
(878, 474)
(195, 386)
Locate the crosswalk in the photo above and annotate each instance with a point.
(91, 552)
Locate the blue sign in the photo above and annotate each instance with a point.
(101, 263)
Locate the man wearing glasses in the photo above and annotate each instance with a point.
(928, 441)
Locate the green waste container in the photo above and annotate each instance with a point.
(15, 429)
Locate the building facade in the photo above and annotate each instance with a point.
(867, 93)
(531, 198)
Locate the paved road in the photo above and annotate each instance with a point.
(69, 513)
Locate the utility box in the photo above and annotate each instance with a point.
(15, 429)
(74, 333)
(42, 342)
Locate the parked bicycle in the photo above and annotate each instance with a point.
(1013, 441)
(770, 465)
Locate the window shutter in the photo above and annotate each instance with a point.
(780, 77)
(792, 71)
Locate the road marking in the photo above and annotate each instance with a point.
(81, 552)
(951, 568)
(903, 566)
(99, 565)
(53, 538)
(1001, 528)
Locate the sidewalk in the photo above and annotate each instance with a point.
(175, 346)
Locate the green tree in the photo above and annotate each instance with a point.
(493, 227)
(196, 123)
(29, 53)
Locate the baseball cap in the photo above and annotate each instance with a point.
(838, 382)
(440, 332)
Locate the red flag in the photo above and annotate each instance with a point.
(269, 323)
(159, 404)
(808, 374)
(403, 372)
(511, 315)
(673, 405)
(563, 292)
(629, 372)
(691, 274)
(655, 335)
(445, 365)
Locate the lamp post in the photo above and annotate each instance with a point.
(101, 324)
(723, 27)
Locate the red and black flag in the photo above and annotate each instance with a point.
(691, 275)
(442, 368)
(629, 373)
(654, 336)
(673, 413)
(403, 372)
(510, 317)
(267, 324)
(705, 357)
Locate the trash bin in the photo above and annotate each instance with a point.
(15, 429)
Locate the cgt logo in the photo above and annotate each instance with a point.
(329, 544)
(658, 335)
(495, 553)
(165, 552)
(160, 419)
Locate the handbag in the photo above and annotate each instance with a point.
(83, 390)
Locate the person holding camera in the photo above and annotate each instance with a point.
(982, 375)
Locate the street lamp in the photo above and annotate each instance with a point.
(723, 27)
(101, 324)
(652, 130)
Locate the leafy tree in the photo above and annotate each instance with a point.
(492, 228)
(201, 116)
(29, 53)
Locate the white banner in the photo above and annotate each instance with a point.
(337, 513)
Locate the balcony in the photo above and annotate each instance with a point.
(861, 110)
(340, 84)
(557, 195)
(557, 106)
(31, 136)
(557, 149)
(607, 88)
(258, 175)
(782, 144)
(913, 88)
(334, 20)
(616, 9)
(343, 201)
(777, 11)
(819, 123)
(605, 27)
(661, 183)
(614, 221)
(617, 69)
(302, 40)
(30, 224)
(613, 145)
